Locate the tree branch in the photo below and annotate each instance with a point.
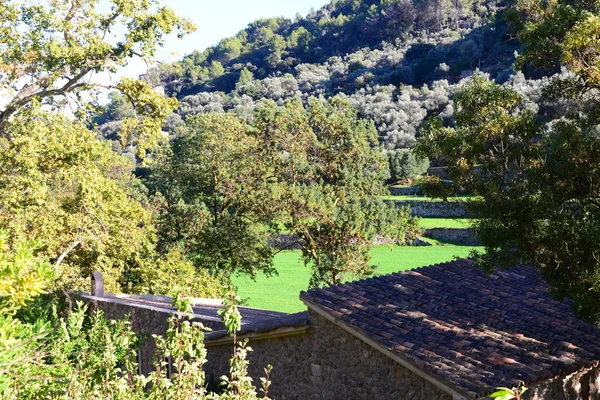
(66, 252)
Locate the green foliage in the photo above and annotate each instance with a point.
(404, 164)
(317, 171)
(493, 131)
(538, 178)
(504, 393)
(49, 47)
(59, 184)
(217, 196)
(230, 315)
(23, 276)
(238, 383)
(143, 130)
(245, 77)
(435, 187)
(157, 277)
(276, 46)
(90, 357)
(86, 356)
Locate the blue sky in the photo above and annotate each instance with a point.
(219, 19)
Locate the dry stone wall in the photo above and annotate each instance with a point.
(405, 191)
(582, 385)
(144, 319)
(435, 209)
(459, 236)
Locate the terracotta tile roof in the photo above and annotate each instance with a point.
(471, 330)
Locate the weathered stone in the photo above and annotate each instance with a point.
(405, 191)
(434, 209)
(460, 236)
(315, 369)
(323, 365)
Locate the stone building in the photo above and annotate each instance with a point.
(447, 331)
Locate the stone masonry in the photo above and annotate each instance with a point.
(328, 363)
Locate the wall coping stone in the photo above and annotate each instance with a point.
(288, 325)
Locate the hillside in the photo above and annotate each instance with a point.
(397, 61)
(355, 43)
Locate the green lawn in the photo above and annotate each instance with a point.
(281, 292)
(428, 223)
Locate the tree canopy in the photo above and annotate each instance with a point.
(537, 173)
(317, 172)
(50, 50)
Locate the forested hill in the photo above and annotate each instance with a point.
(351, 43)
(397, 61)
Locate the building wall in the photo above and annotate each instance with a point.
(288, 355)
(582, 385)
(328, 363)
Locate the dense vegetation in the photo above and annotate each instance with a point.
(289, 126)
(394, 73)
(538, 168)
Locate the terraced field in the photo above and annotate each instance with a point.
(281, 292)
(428, 223)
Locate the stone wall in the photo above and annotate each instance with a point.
(582, 385)
(434, 209)
(405, 191)
(288, 355)
(459, 236)
(328, 363)
(144, 319)
(325, 362)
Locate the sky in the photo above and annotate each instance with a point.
(216, 20)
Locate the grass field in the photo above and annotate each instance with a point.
(281, 292)
(428, 223)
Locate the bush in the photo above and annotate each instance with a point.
(83, 355)
(405, 164)
(434, 186)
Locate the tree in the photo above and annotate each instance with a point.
(404, 164)
(245, 77)
(49, 48)
(539, 175)
(316, 172)
(338, 210)
(217, 196)
(58, 182)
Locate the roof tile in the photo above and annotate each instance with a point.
(474, 330)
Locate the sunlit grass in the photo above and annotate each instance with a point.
(428, 223)
(281, 292)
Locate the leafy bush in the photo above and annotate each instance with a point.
(405, 164)
(83, 356)
(434, 186)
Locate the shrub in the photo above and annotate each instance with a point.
(404, 164)
(434, 186)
